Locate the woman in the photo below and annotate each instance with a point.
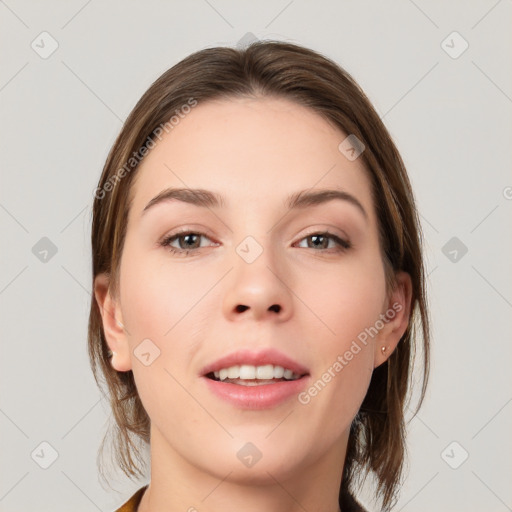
(259, 285)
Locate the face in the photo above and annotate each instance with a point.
(256, 281)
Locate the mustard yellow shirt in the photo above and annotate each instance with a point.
(347, 502)
(133, 503)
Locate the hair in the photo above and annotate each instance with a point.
(284, 70)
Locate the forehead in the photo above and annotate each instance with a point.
(255, 152)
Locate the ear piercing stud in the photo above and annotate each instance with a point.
(383, 349)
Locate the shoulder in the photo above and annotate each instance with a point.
(132, 504)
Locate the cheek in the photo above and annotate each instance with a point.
(348, 301)
(165, 304)
(160, 305)
(156, 297)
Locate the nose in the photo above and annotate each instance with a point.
(257, 290)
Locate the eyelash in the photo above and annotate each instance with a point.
(343, 245)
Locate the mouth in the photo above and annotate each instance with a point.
(250, 375)
(250, 380)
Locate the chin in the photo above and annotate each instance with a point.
(254, 462)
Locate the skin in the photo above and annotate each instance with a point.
(255, 152)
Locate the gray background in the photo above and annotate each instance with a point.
(450, 116)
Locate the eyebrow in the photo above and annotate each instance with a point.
(208, 199)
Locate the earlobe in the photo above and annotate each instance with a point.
(113, 328)
(398, 314)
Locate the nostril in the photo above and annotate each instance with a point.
(240, 308)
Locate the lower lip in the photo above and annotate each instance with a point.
(263, 396)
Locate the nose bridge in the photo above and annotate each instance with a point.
(257, 285)
(253, 236)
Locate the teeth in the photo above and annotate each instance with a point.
(288, 374)
(246, 372)
(233, 372)
(265, 372)
(278, 372)
(249, 372)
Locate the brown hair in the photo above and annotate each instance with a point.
(282, 70)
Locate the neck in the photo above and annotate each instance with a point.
(178, 485)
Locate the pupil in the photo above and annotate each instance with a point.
(186, 237)
(316, 237)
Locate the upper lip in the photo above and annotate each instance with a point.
(260, 358)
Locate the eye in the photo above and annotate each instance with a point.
(321, 241)
(190, 242)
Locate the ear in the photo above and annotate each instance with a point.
(115, 333)
(397, 312)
